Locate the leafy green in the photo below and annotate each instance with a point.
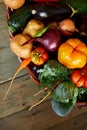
(64, 98)
(65, 92)
(63, 109)
(82, 94)
(79, 5)
(52, 72)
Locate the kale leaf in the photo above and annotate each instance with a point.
(52, 72)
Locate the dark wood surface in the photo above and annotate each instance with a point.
(14, 114)
(43, 118)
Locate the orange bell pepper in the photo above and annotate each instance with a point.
(73, 53)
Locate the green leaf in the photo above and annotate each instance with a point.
(65, 91)
(82, 94)
(63, 109)
(51, 73)
(41, 32)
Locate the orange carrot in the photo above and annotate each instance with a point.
(24, 63)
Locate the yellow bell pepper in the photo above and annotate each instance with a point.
(73, 53)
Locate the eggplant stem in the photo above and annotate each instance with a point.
(73, 10)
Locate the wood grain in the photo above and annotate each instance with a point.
(43, 118)
(23, 88)
(8, 61)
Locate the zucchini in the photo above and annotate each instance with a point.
(79, 5)
(19, 18)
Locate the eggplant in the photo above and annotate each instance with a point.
(43, 11)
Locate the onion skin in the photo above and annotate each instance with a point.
(14, 4)
(67, 27)
(18, 48)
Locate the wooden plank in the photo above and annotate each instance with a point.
(19, 97)
(21, 92)
(8, 61)
(43, 118)
(1, 0)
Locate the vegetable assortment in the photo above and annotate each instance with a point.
(45, 36)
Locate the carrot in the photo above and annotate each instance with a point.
(24, 63)
(46, 96)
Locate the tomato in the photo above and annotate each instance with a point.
(79, 77)
(39, 56)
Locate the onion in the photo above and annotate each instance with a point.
(67, 27)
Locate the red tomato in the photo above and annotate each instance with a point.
(79, 77)
(39, 56)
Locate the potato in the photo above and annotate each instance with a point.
(33, 27)
(19, 47)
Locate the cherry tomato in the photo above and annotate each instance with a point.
(79, 77)
(39, 56)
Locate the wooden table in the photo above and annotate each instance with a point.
(13, 110)
(23, 88)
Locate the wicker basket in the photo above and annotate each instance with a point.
(31, 74)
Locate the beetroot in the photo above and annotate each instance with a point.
(50, 40)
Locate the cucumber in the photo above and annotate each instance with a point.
(19, 18)
(79, 5)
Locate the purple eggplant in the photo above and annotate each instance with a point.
(54, 10)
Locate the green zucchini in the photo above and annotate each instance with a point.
(79, 5)
(19, 18)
